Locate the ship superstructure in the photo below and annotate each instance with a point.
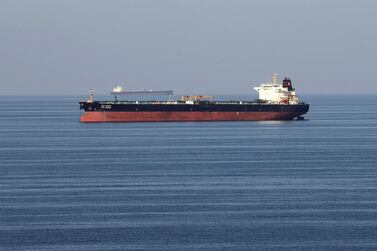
(277, 101)
(277, 93)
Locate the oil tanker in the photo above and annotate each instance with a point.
(277, 101)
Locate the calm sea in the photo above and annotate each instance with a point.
(221, 185)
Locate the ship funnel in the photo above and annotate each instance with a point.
(287, 83)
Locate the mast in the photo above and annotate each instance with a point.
(275, 79)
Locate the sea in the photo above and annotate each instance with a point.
(289, 185)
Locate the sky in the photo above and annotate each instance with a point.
(51, 47)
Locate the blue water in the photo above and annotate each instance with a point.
(171, 186)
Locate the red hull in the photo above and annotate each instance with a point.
(184, 116)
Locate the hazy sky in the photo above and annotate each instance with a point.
(192, 46)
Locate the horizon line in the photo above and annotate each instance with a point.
(180, 94)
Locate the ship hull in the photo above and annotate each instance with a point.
(126, 111)
(104, 116)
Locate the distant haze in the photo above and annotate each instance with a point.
(191, 46)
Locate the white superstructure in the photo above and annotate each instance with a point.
(117, 89)
(277, 93)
